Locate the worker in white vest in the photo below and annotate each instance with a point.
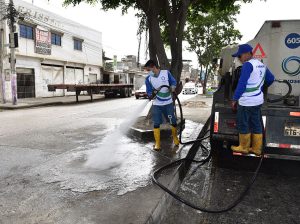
(163, 100)
(248, 99)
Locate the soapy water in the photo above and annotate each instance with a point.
(112, 151)
(116, 164)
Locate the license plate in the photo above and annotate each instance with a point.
(292, 130)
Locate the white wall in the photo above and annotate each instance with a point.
(91, 69)
(272, 40)
(92, 40)
(90, 58)
(35, 64)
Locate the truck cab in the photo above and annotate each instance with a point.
(277, 45)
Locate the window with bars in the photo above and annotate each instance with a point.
(78, 44)
(56, 39)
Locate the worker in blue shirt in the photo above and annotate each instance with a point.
(248, 98)
(163, 101)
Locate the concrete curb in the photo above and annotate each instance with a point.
(148, 133)
(160, 211)
(56, 103)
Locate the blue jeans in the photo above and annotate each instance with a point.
(249, 120)
(167, 111)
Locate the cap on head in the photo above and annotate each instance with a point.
(150, 63)
(243, 48)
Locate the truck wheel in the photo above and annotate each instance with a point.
(129, 92)
(137, 97)
(123, 92)
(126, 92)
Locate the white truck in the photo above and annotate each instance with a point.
(190, 88)
(277, 44)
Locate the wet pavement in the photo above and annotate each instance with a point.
(274, 197)
(72, 164)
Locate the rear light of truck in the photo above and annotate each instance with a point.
(295, 114)
(216, 123)
(264, 119)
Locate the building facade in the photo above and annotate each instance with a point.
(52, 50)
(126, 71)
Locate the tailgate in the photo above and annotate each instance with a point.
(283, 132)
(224, 123)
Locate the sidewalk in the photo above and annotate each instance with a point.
(49, 101)
(197, 109)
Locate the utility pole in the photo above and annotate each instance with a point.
(2, 78)
(12, 28)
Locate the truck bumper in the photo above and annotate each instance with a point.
(278, 144)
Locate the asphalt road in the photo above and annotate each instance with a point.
(274, 197)
(74, 164)
(44, 177)
(43, 173)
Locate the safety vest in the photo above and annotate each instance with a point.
(164, 96)
(253, 95)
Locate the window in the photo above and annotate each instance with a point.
(78, 44)
(26, 31)
(55, 39)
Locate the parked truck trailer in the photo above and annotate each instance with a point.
(116, 85)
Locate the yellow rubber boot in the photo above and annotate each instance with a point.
(175, 137)
(156, 132)
(245, 141)
(257, 144)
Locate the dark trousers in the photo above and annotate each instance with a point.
(167, 111)
(249, 120)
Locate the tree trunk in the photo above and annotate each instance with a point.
(176, 21)
(205, 79)
(183, 10)
(156, 45)
(139, 49)
(152, 49)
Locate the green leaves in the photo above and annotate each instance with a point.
(106, 4)
(210, 28)
(207, 25)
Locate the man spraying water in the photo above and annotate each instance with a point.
(162, 99)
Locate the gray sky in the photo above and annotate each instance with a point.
(119, 32)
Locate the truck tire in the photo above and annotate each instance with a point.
(123, 92)
(129, 92)
(107, 95)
